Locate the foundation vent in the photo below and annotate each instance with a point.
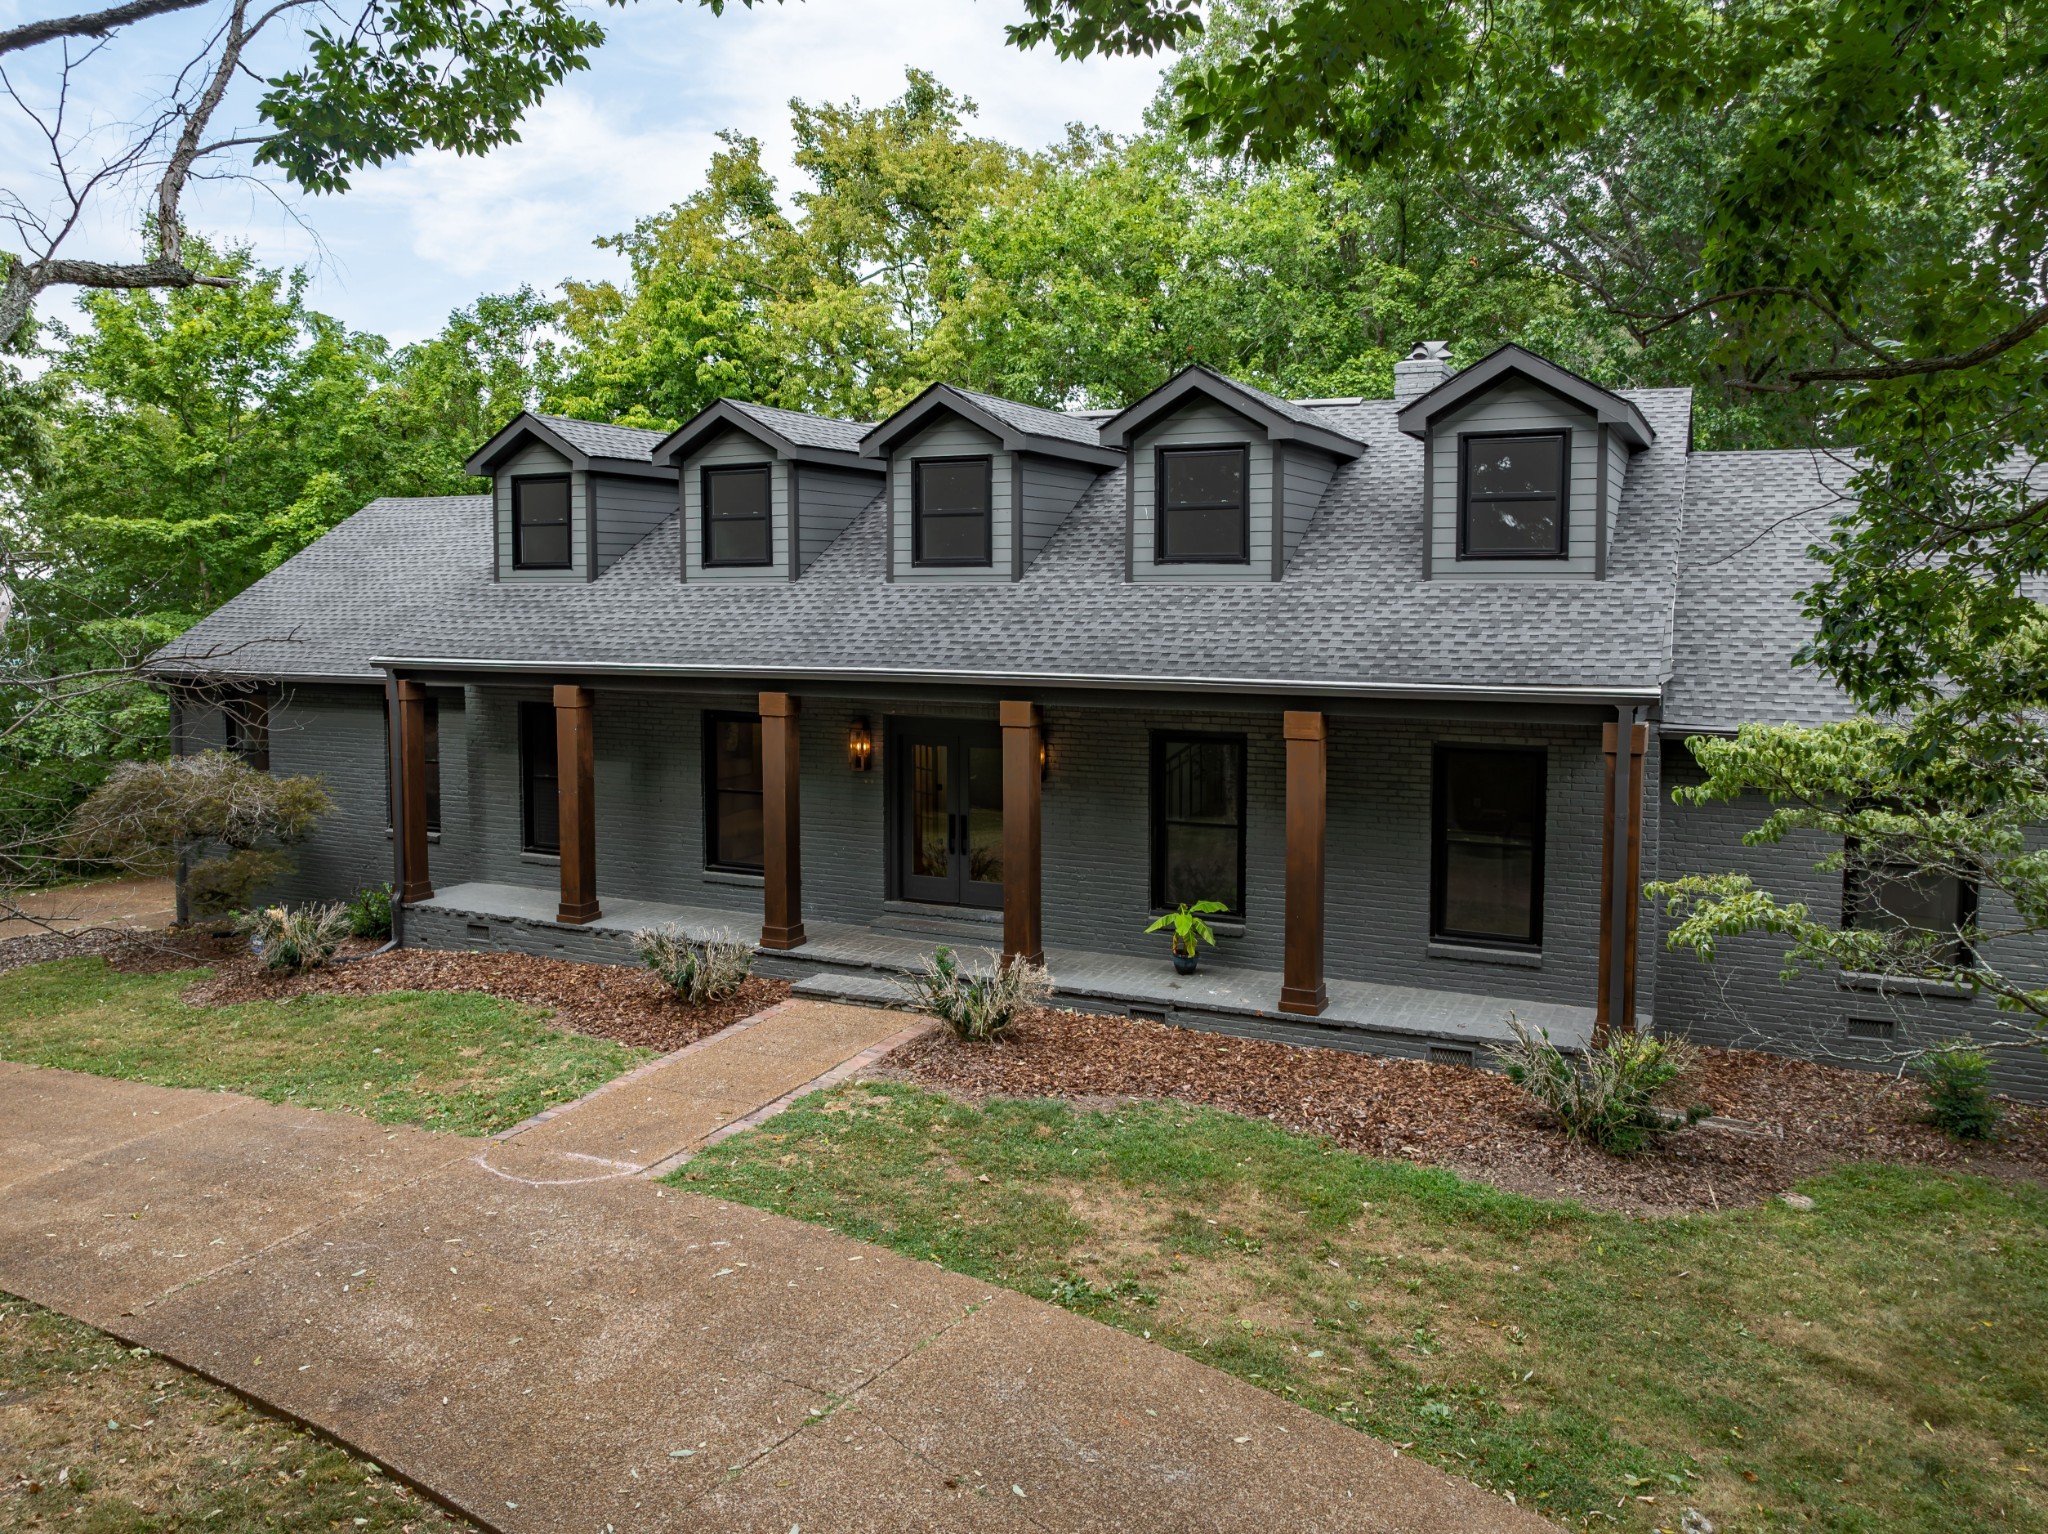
(1449, 1054)
(1873, 1028)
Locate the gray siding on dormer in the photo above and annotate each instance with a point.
(1516, 406)
(537, 459)
(1617, 481)
(828, 500)
(627, 509)
(1203, 424)
(1052, 489)
(952, 438)
(1304, 475)
(734, 448)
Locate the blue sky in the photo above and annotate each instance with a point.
(414, 240)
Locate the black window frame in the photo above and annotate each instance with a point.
(713, 718)
(1160, 554)
(1156, 810)
(519, 484)
(537, 746)
(1439, 847)
(245, 728)
(705, 475)
(431, 708)
(917, 515)
(1563, 436)
(1857, 902)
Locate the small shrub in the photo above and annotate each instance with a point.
(978, 1008)
(697, 970)
(295, 939)
(216, 886)
(369, 913)
(1959, 1101)
(1609, 1101)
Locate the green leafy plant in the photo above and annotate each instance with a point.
(294, 938)
(1188, 926)
(369, 912)
(1959, 1103)
(1610, 1099)
(698, 970)
(977, 1007)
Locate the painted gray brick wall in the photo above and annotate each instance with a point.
(1739, 1001)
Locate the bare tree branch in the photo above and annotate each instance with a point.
(90, 23)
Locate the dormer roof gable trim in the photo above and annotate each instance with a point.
(605, 450)
(1282, 420)
(1019, 428)
(763, 425)
(1605, 406)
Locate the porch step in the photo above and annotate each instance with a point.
(841, 985)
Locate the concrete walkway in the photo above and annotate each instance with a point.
(559, 1353)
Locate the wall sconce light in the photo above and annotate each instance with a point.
(1044, 756)
(860, 746)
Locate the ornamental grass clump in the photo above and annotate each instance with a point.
(977, 1007)
(1958, 1083)
(1610, 1099)
(698, 970)
(294, 938)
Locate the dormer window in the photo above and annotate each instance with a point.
(1204, 515)
(1512, 500)
(540, 522)
(736, 516)
(951, 511)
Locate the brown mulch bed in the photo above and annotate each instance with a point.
(1806, 1117)
(129, 950)
(628, 1006)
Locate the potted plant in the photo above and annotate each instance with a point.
(1188, 930)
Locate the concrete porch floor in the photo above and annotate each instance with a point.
(845, 962)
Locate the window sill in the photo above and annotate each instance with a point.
(1899, 985)
(1223, 928)
(729, 876)
(1519, 958)
(551, 859)
(433, 837)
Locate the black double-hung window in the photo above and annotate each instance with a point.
(540, 522)
(1513, 495)
(539, 779)
(736, 516)
(1203, 514)
(951, 511)
(1487, 879)
(1198, 798)
(1894, 897)
(732, 792)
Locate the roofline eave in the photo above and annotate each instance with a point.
(1193, 379)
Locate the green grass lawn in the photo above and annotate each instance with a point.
(103, 1439)
(1876, 1364)
(440, 1059)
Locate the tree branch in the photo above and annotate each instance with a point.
(90, 24)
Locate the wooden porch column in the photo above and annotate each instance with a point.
(1302, 990)
(1621, 877)
(411, 795)
(576, 804)
(782, 863)
(1023, 932)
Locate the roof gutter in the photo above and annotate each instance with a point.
(1288, 686)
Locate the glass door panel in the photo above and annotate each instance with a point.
(949, 811)
(985, 818)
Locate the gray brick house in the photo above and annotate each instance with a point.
(1403, 683)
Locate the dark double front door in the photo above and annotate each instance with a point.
(948, 782)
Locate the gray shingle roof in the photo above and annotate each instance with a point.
(1036, 419)
(823, 431)
(413, 579)
(605, 441)
(1749, 520)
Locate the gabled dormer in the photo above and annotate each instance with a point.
(978, 484)
(1222, 480)
(569, 496)
(1524, 464)
(765, 491)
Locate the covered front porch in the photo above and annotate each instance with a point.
(846, 962)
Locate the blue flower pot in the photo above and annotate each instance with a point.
(1186, 963)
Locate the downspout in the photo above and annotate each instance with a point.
(1627, 717)
(181, 913)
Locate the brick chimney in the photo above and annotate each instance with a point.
(1422, 370)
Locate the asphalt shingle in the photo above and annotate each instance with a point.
(821, 431)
